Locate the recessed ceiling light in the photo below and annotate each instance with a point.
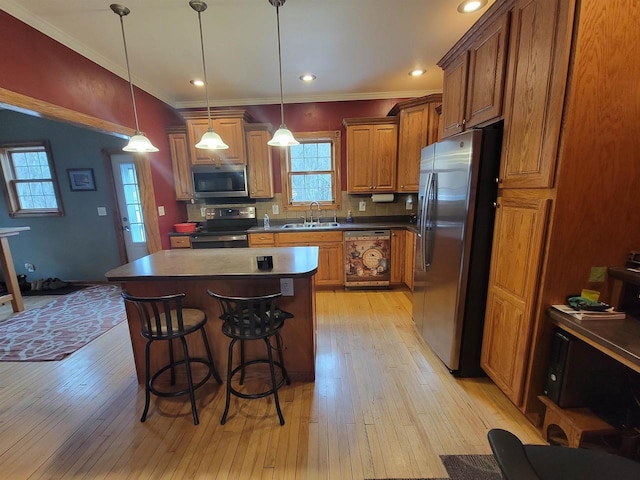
(469, 6)
(417, 72)
(197, 83)
(308, 77)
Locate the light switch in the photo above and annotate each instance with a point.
(286, 287)
(275, 209)
(102, 211)
(161, 211)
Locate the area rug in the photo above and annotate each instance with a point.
(466, 467)
(57, 291)
(59, 328)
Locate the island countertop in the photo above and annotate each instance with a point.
(219, 262)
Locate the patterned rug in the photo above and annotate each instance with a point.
(59, 328)
(466, 467)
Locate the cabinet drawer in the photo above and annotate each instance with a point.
(308, 238)
(182, 241)
(262, 239)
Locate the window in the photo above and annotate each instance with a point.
(29, 180)
(311, 171)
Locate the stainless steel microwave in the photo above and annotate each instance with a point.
(211, 181)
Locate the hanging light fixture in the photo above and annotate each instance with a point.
(138, 142)
(283, 136)
(210, 140)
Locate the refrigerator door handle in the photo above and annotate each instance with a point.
(428, 221)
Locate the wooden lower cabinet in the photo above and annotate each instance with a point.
(397, 256)
(409, 258)
(518, 244)
(330, 256)
(180, 241)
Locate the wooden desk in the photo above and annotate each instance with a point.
(227, 271)
(619, 339)
(8, 269)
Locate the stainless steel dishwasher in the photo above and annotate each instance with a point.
(368, 258)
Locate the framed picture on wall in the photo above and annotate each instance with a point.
(81, 179)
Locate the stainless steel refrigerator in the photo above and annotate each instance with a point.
(458, 188)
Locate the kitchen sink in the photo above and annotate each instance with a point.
(312, 225)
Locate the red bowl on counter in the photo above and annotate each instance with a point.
(184, 227)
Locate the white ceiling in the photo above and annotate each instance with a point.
(359, 49)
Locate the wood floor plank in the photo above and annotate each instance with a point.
(382, 406)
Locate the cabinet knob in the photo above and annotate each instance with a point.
(496, 205)
(402, 187)
(498, 180)
(464, 121)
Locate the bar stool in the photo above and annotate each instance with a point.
(163, 318)
(253, 318)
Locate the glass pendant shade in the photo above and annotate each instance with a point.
(211, 141)
(283, 138)
(139, 143)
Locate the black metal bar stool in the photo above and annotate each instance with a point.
(163, 318)
(253, 318)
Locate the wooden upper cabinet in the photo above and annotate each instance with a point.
(454, 91)
(230, 126)
(474, 73)
(372, 148)
(536, 81)
(260, 165)
(418, 127)
(179, 151)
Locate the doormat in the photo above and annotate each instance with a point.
(465, 467)
(62, 326)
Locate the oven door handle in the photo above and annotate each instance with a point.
(217, 238)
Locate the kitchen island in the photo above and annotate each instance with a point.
(234, 272)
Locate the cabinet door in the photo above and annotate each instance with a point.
(179, 152)
(409, 258)
(454, 89)
(359, 158)
(540, 41)
(397, 256)
(231, 132)
(385, 158)
(260, 166)
(485, 86)
(518, 243)
(330, 265)
(413, 132)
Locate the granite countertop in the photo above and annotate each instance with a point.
(218, 263)
(371, 223)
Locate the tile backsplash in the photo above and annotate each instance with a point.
(349, 202)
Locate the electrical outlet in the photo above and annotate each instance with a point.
(286, 287)
(102, 212)
(362, 206)
(161, 211)
(275, 209)
(203, 211)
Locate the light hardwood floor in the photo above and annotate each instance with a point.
(382, 406)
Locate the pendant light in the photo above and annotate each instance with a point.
(138, 142)
(283, 136)
(210, 140)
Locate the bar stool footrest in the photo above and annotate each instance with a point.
(177, 393)
(266, 393)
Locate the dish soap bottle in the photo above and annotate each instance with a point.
(349, 217)
(265, 222)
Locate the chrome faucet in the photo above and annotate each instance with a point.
(311, 211)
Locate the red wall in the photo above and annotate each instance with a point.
(39, 67)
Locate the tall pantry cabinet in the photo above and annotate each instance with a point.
(569, 185)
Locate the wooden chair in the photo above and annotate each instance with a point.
(253, 318)
(164, 319)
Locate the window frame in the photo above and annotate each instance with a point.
(9, 180)
(334, 136)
